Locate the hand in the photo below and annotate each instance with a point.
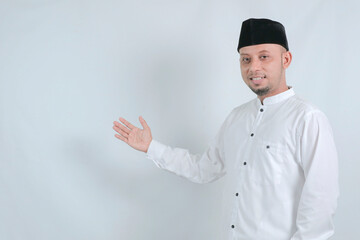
(135, 137)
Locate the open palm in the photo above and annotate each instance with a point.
(135, 137)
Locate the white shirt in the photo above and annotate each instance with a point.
(281, 162)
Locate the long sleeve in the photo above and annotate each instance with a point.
(319, 195)
(198, 168)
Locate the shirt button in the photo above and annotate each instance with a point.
(267, 146)
(252, 135)
(261, 110)
(232, 226)
(236, 194)
(244, 163)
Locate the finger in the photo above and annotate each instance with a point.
(129, 125)
(122, 127)
(121, 138)
(143, 123)
(124, 134)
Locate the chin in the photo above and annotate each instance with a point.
(261, 91)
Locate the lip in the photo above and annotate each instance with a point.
(257, 79)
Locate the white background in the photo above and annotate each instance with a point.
(68, 69)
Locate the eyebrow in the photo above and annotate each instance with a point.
(262, 51)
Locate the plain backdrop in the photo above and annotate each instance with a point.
(69, 68)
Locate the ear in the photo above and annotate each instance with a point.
(286, 57)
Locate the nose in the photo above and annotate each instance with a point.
(255, 65)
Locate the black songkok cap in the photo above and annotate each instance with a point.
(258, 31)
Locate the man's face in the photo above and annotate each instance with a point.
(263, 68)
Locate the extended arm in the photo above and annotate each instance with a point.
(197, 168)
(203, 168)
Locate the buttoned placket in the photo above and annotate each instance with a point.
(253, 133)
(246, 164)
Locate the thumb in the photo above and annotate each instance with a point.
(143, 123)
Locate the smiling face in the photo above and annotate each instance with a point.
(263, 68)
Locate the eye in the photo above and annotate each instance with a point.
(245, 60)
(264, 57)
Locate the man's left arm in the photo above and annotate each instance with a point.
(321, 189)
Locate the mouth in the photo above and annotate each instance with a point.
(257, 80)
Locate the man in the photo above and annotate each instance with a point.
(277, 149)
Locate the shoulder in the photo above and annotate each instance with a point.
(309, 114)
(245, 106)
(240, 111)
(303, 106)
(305, 109)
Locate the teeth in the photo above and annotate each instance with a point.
(258, 78)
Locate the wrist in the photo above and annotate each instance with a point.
(148, 145)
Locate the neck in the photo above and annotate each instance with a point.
(278, 91)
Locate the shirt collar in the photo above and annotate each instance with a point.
(278, 98)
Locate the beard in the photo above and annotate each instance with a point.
(261, 91)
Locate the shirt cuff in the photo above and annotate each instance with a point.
(155, 151)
